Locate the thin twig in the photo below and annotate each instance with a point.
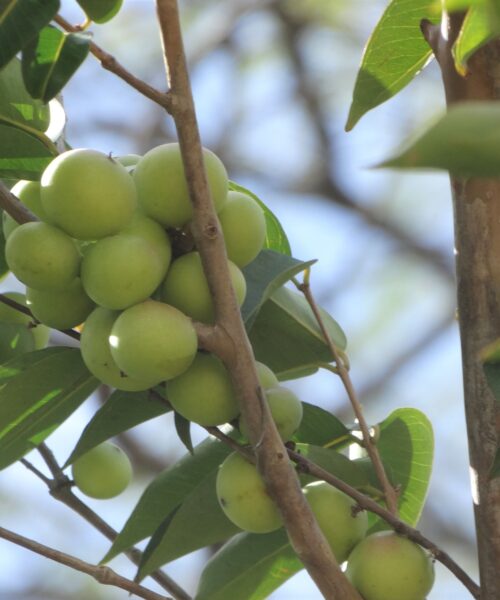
(343, 373)
(109, 62)
(101, 574)
(14, 207)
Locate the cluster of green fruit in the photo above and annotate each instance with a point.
(381, 566)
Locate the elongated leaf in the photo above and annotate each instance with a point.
(100, 11)
(51, 59)
(477, 30)
(20, 21)
(120, 412)
(183, 429)
(276, 238)
(37, 394)
(321, 428)
(465, 141)
(198, 522)
(406, 445)
(269, 271)
(249, 567)
(286, 337)
(167, 492)
(394, 54)
(15, 339)
(22, 154)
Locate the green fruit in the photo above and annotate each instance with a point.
(204, 393)
(88, 194)
(153, 341)
(186, 287)
(96, 352)
(128, 160)
(61, 309)
(40, 333)
(100, 11)
(121, 270)
(15, 340)
(387, 566)
(103, 472)
(29, 194)
(243, 497)
(286, 410)
(336, 514)
(162, 189)
(153, 233)
(42, 256)
(244, 228)
(267, 378)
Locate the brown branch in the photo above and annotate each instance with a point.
(233, 345)
(101, 574)
(60, 489)
(110, 63)
(14, 207)
(389, 492)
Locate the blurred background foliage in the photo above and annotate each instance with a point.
(272, 82)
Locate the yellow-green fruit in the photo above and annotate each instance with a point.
(60, 309)
(121, 270)
(29, 194)
(162, 189)
(103, 472)
(244, 228)
(387, 566)
(286, 410)
(153, 233)
(42, 256)
(153, 341)
(267, 378)
(243, 497)
(204, 393)
(96, 352)
(186, 287)
(128, 160)
(8, 314)
(88, 194)
(341, 524)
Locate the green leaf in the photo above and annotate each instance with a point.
(15, 339)
(321, 428)
(51, 59)
(264, 275)
(38, 392)
(120, 412)
(276, 238)
(100, 11)
(20, 21)
(394, 54)
(198, 522)
(167, 492)
(477, 30)
(249, 567)
(286, 337)
(406, 446)
(183, 429)
(465, 141)
(22, 155)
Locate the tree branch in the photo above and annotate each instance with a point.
(101, 574)
(14, 207)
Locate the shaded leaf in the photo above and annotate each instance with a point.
(183, 428)
(276, 238)
(20, 21)
(51, 59)
(100, 11)
(394, 54)
(22, 154)
(321, 428)
(15, 339)
(121, 411)
(264, 275)
(38, 392)
(477, 30)
(465, 141)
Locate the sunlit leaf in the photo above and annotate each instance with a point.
(477, 30)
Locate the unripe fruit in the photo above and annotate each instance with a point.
(387, 566)
(244, 228)
(153, 341)
(96, 352)
(153, 233)
(162, 189)
(42, 256)
(204, 393)
(128, 160)
(186, 287)
(60, 309)
(40, 333)
(103, 472)
(342, 525)
(267, 378)
(121, 270)
(29, 194)
(243, 497)
(88, 194)
(286, 410)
